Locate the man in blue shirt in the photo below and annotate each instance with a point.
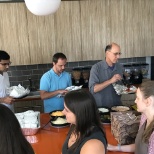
(53, 84)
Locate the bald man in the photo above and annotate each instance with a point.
(103, 74)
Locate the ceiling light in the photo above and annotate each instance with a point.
(42, 7)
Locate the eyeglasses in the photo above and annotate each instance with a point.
(4, 64)
(117, 53)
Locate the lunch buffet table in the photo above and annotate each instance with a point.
(49, 140)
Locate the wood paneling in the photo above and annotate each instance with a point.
(14, 33)
(80, 29)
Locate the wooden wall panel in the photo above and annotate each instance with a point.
(41, 31)
(13, 32)
(80, 29)
(68, 35)
(93, 29)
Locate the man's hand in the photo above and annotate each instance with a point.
(115, 78)
(8, 100)
(63, 92)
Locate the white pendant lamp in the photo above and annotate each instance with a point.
(42, 7)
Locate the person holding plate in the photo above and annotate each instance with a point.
(103, 75)
(53, 84)
(4, 80)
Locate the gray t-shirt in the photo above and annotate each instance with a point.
(101, 72)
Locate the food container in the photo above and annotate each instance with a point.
(124, 126)
(86, 73)
(56, 113)
(31, 131)
(104, 113)
(120, 108)
(144, 69)
(76, 73)
(58, 119)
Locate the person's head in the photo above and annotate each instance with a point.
(145, 96)
(112, 52)
(145, 104)
(81, 110)
(12, 139)
(59, 62)
(4, 61)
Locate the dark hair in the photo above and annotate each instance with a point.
(147, 89)
(57, 56)
(83, 105)
(4, 55)
(108, 47)
(12, 139)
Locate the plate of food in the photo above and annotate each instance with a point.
(120, 108)
(104, 113)
(59, 122)
(105, 119)
(103, 110)
(17, 92)
(58, 119)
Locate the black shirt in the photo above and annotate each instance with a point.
(96, 134)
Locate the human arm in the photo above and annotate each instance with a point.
(100, 86)
(93, 146)
(46, 95)
(123, 148)
(101, 79)
(7, 100)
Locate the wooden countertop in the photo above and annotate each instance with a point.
(50, 140)
(29, 98)
(34, 97)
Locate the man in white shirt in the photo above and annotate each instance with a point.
(4, 80)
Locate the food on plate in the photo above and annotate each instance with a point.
(71, 88)
(59, 120)
(120, 108)
(105, 119)
(104, 110)
(17, 91)
(57, 113)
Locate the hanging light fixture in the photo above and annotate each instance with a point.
(42, 7)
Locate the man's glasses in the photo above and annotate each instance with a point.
(117, 53)
(5, 64)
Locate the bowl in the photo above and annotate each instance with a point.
(56, 113)
(120, 108)
(58, 119)
(104, 110)
(31, 131)
(104, 113)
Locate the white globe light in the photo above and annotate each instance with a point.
(42, 7)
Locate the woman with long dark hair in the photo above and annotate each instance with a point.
(86, 135)
(12, 141)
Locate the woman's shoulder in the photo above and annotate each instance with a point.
(93, 146)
